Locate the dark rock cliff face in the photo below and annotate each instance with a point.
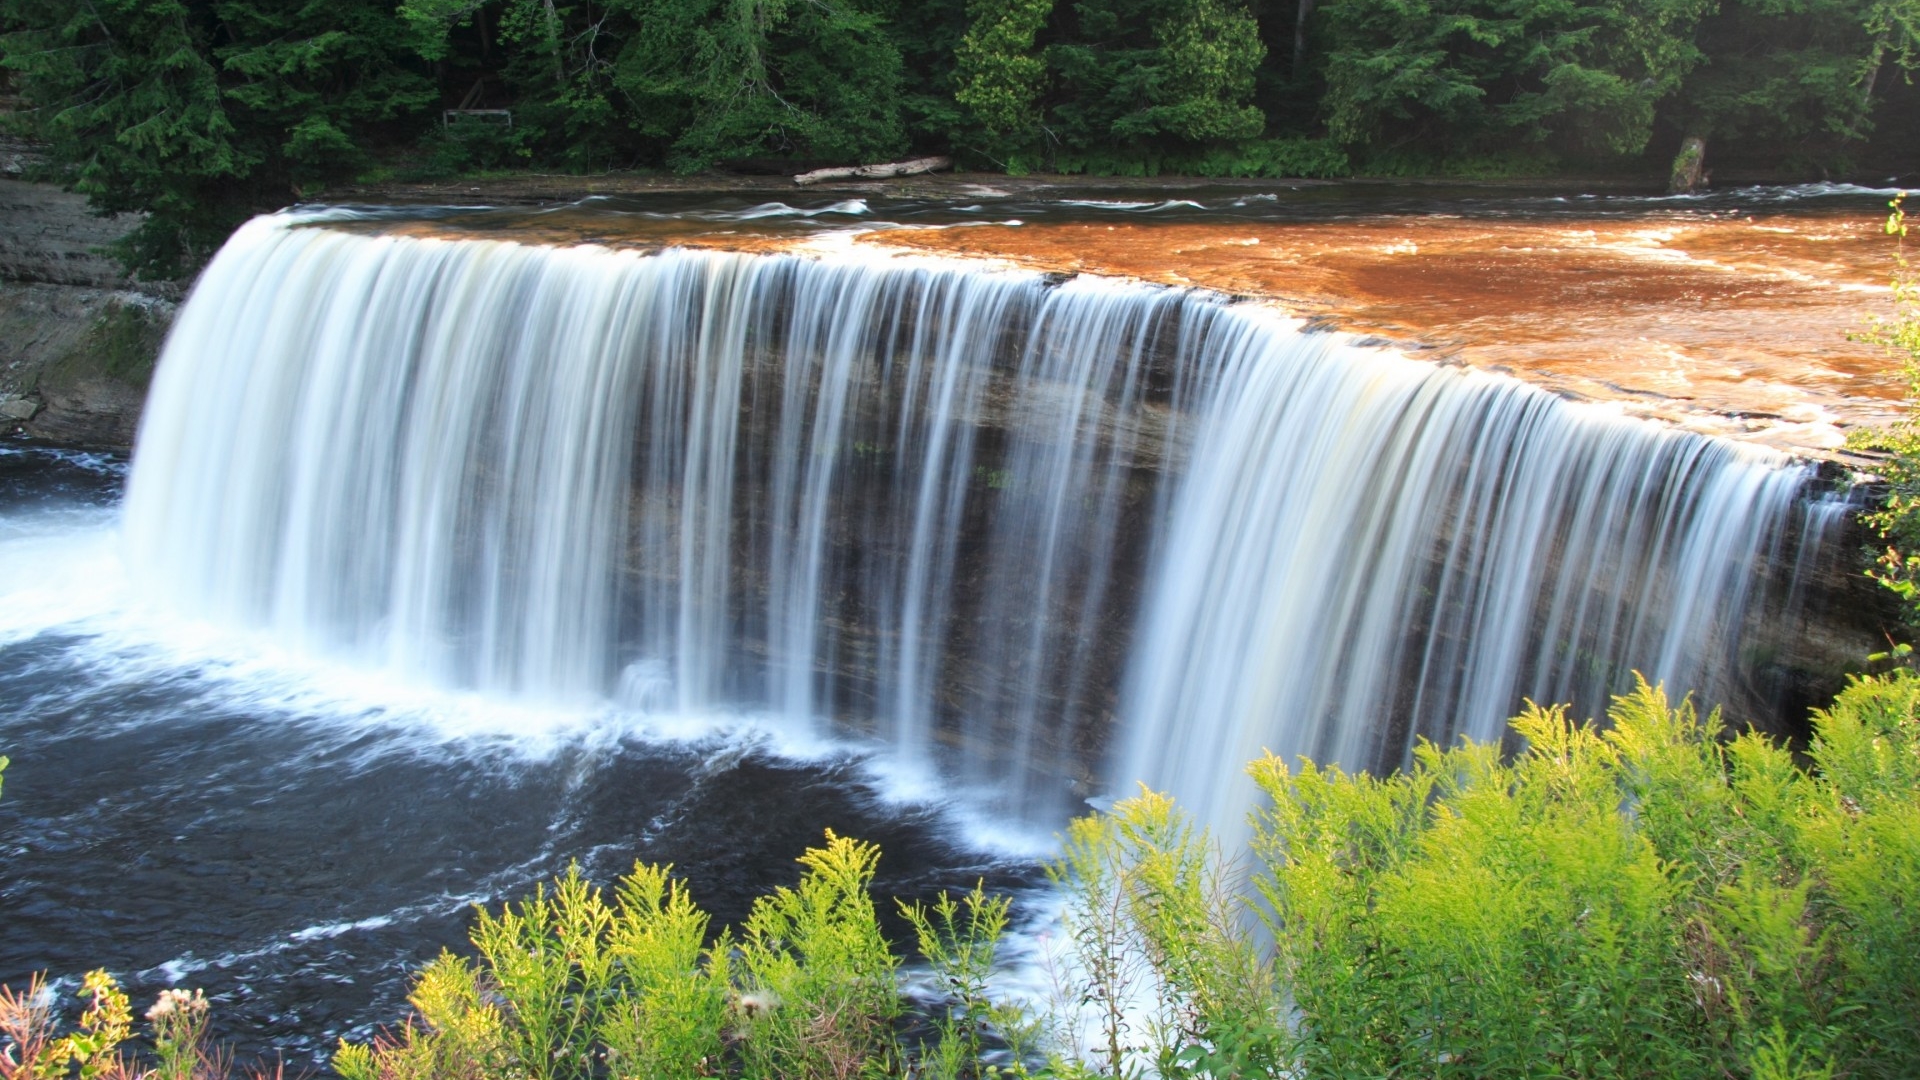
(78, 338)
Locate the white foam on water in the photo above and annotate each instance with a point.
(63, 570)
(333, 930)
(849, 207)
(1134, 207)
(78, 591)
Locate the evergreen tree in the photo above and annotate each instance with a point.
(125, 95)
(309, 85)
(928, 34)
(1136, 74)
(1579, 76)
(1797, 79)
(197, 113)
(727, 79)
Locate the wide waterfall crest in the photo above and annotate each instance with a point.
(1044, 537)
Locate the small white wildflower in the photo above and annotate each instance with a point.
(755, 1002)
(171, 1002)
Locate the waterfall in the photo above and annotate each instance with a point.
(1365, 552)
(1042, 537)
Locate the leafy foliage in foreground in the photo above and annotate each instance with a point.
(97, 1047)
(571, 984)
(1640, 900)
(1643, 900)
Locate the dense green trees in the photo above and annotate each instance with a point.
(200, 111)
(719, 79)
(998, 76)
(1802, 75)
(132, 104)
(1135, 73)
(193, 110)
(1581, 77)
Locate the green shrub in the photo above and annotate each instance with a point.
(1278, 158)
(97, 1048)
(818, 997)
(1644, 899)
(960, 950)
(1640, 901)
(474, 146)
(1897, 516)
(569, 985)
(1153, 915)
(1861, 841)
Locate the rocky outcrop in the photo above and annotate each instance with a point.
(78, 337)
(50, 236)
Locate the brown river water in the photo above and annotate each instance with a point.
(1736, 313)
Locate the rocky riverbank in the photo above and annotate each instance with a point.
(78, 337)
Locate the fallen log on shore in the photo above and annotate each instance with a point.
(911, 167)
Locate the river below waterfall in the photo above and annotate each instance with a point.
(190, 807)
(463, 545)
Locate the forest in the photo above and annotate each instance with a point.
(199, 112)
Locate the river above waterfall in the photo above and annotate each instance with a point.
(683, 528)
(1730, 312)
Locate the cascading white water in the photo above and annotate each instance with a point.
(1361, 539)
(1006, 525)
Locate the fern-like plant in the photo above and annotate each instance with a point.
(958, 939)
(571, 985)
(817, 993)
(1897, 516)
(1641, 900)
(567, 985)
(1155, 919)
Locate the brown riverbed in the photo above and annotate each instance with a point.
(1738, 325)
(1720, 317)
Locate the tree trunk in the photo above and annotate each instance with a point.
(1689, 167)
(553, 43)
(1872, 76)
(911, 167)
(1300, 38)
